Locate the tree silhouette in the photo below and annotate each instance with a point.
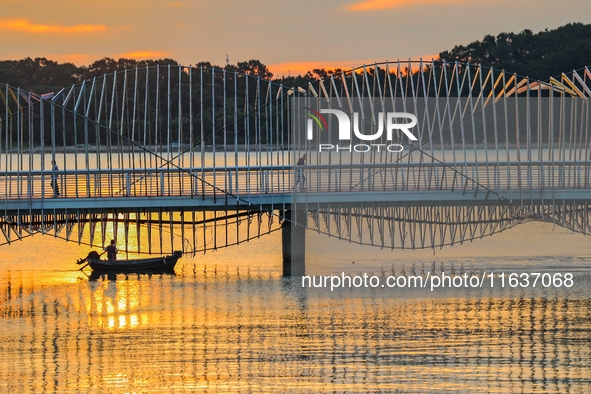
(539, 56)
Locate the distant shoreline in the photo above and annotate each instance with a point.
(137, 149)
(243, 148)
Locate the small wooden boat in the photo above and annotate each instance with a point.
(152, 264)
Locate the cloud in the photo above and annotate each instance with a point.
(25, 25)
(374, 5)
(144, 55)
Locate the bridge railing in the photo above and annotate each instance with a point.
(438, 176)
(245, 181)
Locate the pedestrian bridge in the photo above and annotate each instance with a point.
(196, 159)
(274, 187)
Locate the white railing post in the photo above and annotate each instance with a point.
(402, 179)
(127, 184)
(361, 172)
(436, 175)
(237, 184)
(30, 187)
(97, 185)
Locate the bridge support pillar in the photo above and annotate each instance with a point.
(294, 243)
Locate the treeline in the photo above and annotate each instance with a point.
(538, 56)
(41, 75)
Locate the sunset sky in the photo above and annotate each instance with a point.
(288, 36)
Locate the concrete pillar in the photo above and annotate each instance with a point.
(294, 243)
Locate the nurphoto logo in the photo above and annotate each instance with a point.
(347, 128)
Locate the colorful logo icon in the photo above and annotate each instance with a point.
(318, 118)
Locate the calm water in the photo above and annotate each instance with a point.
(228, 322)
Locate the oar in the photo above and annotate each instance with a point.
(82, 261)
(86, 265)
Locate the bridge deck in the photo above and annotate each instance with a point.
(308, 200)
(272, 187)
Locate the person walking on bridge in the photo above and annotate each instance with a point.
(300, 175)
(54, 179)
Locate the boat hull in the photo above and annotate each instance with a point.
(153, 265)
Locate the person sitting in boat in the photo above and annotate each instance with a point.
(111, 251)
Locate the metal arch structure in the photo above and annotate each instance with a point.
(200, 158)
(528, 162)
(157, 132)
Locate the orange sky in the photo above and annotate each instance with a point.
(371, 5)
(300, 68)
(290, 37)
(26, 26)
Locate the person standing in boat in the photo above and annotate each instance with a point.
(111, 251)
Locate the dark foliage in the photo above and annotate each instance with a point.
(538, 56)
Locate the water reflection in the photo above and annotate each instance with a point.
(112, 276)
(229, 322)
(251, 330)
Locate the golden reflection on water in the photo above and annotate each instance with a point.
(225, 332)
(114, 305)
(230, 323)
